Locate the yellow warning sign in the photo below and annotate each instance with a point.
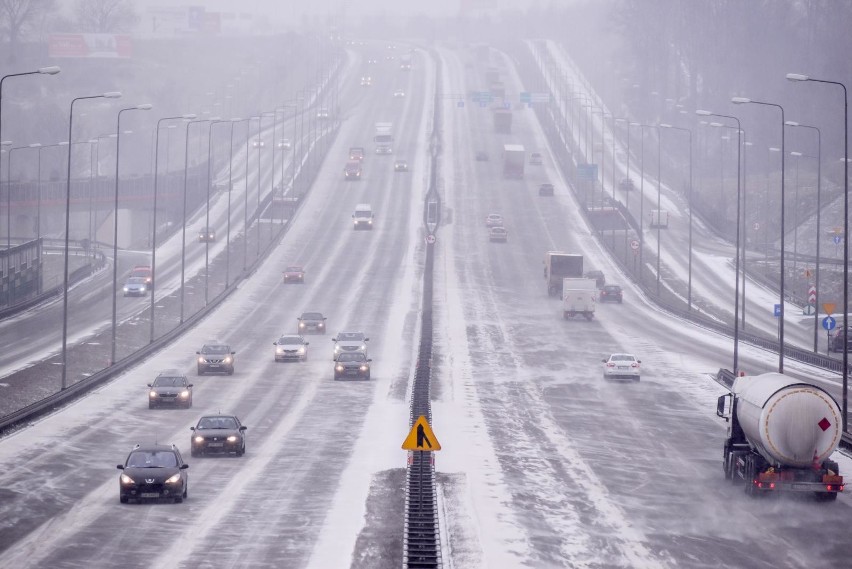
(421, 437)
(828, 308)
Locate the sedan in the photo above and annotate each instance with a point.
(206, 235)
(153, 472)
(221, 434)
(350, 342)
(611, 293)
(291, 348)
(353, 365)
(136, 286)
(621, 366)
(170, 389)
(498, 234)
(285, 144)
(494, 220)
(399, 93)
(400, 166)
(294, 274)
(313, 322)
(258, 144)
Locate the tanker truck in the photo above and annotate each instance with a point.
(781, 434)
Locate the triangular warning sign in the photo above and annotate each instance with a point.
(421, 437)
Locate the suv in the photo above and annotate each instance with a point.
(363, 216)
(600, 279)
(171, 388)
(352, 364)
(840, 340)
(611, 293)
(312, 322)
(218, 434)
(350, 342)
(153, 472)
(217, 357)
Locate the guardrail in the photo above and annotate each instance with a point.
(421, 545)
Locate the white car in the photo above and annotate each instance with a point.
(322, 114)
(258, 144)
(285, 144)
(399, 93)
(498, 234)
(494, 220)
(366, 81)
(350, 342)
(621, 366)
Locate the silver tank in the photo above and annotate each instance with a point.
(789, 422)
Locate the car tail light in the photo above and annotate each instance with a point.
(610, 364)
(634, 364)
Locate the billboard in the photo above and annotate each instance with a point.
(90, 45)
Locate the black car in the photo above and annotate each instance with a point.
(353, 365)
(600, 279)
(311, 322)
(153, 472)
(545, 190)
(611, 293)
(171, 388)
(840, 340)
(215, 357)
(220, 434)
(206, 235)
(291, 348)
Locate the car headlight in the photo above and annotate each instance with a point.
(301, 324)
(232, 439)
(336, 349)
(339, 368)
(198, 439)
(279, 350)
(173, 479)
(301, 350)
(184, 394)
(201, 360)
(152, 394)
(321, 325)
(364, 368)
(125, 479)
(126, 289)
(363, 346)
(142, 289)
(228, 360)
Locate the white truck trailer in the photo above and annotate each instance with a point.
(384, 138)
(781, 434)
(578, 297)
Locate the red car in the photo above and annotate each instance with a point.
(294, 275)
(143, 271)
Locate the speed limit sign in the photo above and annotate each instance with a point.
(634, 245)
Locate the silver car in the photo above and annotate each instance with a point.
(290, 348)
(136, 286)
(622, 366)
(350, 342)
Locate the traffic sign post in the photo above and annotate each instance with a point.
(430, 239)
(829, 323)
(777, 310)
(634, 244)
(421, 437)
(828, 308)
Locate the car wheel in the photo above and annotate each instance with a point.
(636, 378)
(367, 377)
(242, 450)
(123, 499)
(178, 499)
(230, 372)
(194, 453)
(336, 377)
(150, 405)
(200, 371)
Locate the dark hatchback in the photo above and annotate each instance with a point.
(170, 389)
(311, 323)
(352, 365)
(219, 434)
(215, 357)
(153, 472)
(611, 293)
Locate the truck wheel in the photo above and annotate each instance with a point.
(825, 496)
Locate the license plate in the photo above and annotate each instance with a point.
(212, 365)
(623, 367)
(801, 486)
(215, 444)
(149, 495)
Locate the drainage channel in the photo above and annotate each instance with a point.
(421, 534)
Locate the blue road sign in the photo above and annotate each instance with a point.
(829, 323)
(837, 239)
(587, 171)
(777, 310)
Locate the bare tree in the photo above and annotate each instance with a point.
(17, 16)
(105, 16)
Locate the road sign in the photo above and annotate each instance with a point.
(634, 245)
(808, 274)
(828, 308)
(808, 310)
(587, 171)
(756, 226)
(430, 239)
(526, 97)
(811, 293)
(421, 437)
(837, 239)
(828, 323)
(481, 97)
(777, 310)
(540, 97)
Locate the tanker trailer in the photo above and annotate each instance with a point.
(781, 433)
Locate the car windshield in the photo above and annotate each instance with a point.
(136, 281)
(140, 273)
(609, 288)
(621, 358)
(168, 381)
(347, 357)
(294, 269)
(151, 459)
(350, 336)
(215, 349)
(289, 340)
(217, 423)
(311, 316)
(362, 214)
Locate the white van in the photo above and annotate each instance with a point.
(363, 216)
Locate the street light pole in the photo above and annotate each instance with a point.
(109, 95)
(745, 100)
(144, 107)
(183, 217)
(214, 121)
(845, 371)
(689, 202)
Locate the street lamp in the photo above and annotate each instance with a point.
(154, 221)
(689, 202)
(214, 121)
(819, 212)
(737, 256)
(745, 100)
(9, 204)
(800, 77)
(143, 107)
(108, 95)
(796, 155)
(659, 199)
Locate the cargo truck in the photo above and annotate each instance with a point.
(558, 266)
(781, 434)
(503, 121)
(384, 138)
(578, 298)
(513, 161)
